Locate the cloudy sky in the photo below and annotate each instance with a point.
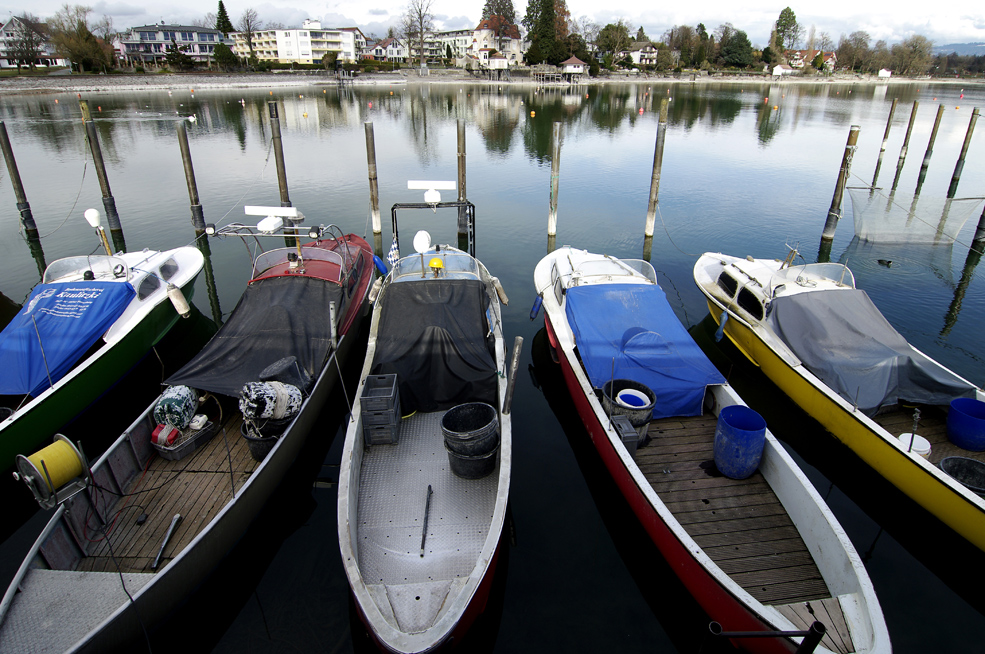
(959, 21)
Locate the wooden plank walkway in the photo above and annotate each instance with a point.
(197, 486)
(740, 524)
(932, 426)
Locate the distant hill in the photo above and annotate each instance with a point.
(961, 49)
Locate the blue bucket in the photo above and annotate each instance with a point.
(739, 440)
(966, 424)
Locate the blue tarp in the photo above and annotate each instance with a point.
(69, 318)
(634, 324)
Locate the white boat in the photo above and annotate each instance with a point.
(88, 322)
(131, 540)
(420, 529)
(825, 344)
(761, 553)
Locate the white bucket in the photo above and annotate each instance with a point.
(632, 398)
(920, 446)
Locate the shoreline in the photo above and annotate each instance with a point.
(173, 81)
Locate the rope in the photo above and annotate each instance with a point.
(239, 202)
(666, 231)
(85, 166)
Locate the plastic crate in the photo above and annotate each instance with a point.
(627, 432)
(187, 442)
(381, 434)
(391, 417)
(379, 393)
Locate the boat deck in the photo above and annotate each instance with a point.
(740, 524)
(197, 486)
(932, 426)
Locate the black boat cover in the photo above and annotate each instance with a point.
(433, 335)
(275, 318)
(843, 339)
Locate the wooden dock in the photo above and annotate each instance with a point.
(740, 524)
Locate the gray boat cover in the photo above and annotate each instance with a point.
(841, 337)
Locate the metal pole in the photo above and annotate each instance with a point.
(109, 202)
(658, 157)
(198, 217)
(834, 212)
(374, 186)
(959, 166)
(885, 137)
(23, 206)
(285, 200)
(930, 150)
(555, 172)
(462, 195)
(906, 143)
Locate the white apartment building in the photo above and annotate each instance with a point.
(149, 44)
(304, 45)
(12, 38)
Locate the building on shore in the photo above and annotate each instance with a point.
(26, 44)
(148, 44)
(305, 45)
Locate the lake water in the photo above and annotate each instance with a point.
(747, 170)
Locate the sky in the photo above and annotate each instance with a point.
(957, 21)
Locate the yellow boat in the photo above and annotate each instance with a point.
(824, 343)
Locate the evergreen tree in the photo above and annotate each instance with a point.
(222, 22)
(502, 8)
(788, 30)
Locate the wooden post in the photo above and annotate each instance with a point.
(198, 217)
(930, 150)
(658, 157)
(109, 202)
(285, 200)
(959, 166)
(23, 206)
(967, 273)
(834, 212)
(463, 218)
(374, 186)
(885, 137)
(555, 172)
(906, 143)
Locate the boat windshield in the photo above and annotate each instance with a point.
(454, 265)
(835, 272)
(267, 260)
(103, 268)
(611, 267)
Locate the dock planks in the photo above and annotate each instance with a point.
(932, 426)
(740, 524)
(197, 486)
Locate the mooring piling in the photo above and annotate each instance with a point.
(463, 216)
(658, 157)
(555, 172)
(23, 206)
(285, 200)
(930, 150)
(959, 166)
(198, 216)
(885, 137)
(834, 212)
(906, 143)
(109, 202)
(374, 185)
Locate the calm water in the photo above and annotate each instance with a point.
(739, 176)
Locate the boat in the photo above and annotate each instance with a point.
(421, 522)
(88, 322)
(758, 548)
(131, 539)
(825, 344)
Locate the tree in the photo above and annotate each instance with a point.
(224, 57)
(912, 56)
(502, 8)
(737, 50)
(176, 57)
(418, 26)
(640, 34)
(787, 29)
(222, 22)
(71, 33)
(249, 25)
(27, 46)
(614, 37)
(853, 50)
(208, 21)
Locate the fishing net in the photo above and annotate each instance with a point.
(907, 218)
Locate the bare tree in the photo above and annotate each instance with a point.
(249, 25)
(27, 45)
(209, 21)
(418, 25)
(72, 34)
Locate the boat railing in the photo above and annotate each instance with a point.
(267, 260)
(455, 264)
(838, 273)
(102, 267)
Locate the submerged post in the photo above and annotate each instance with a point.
(658, 157)
(555, 172)
(930, 150)
(374, 186)
(959, 166)
(198, 217)
(285, 200)
(885, 137)
(109, 202)
(463, 217)
(906, 143)
(27, 218)
(834, 212)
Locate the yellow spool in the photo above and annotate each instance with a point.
(61, 461)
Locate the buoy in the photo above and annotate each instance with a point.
(305, 114)
(56, 100)
(775, 107)
(178, 300)
(99, 108)
(370, 105)
(533, 113)
(641, 111)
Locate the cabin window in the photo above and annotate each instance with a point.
(750, 303)
(147, 287)
(168, 269)
(727, 283)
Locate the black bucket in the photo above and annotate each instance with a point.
(260, 443)
(471, 429)
(472, 467)
(969, 472)
(639, 413)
